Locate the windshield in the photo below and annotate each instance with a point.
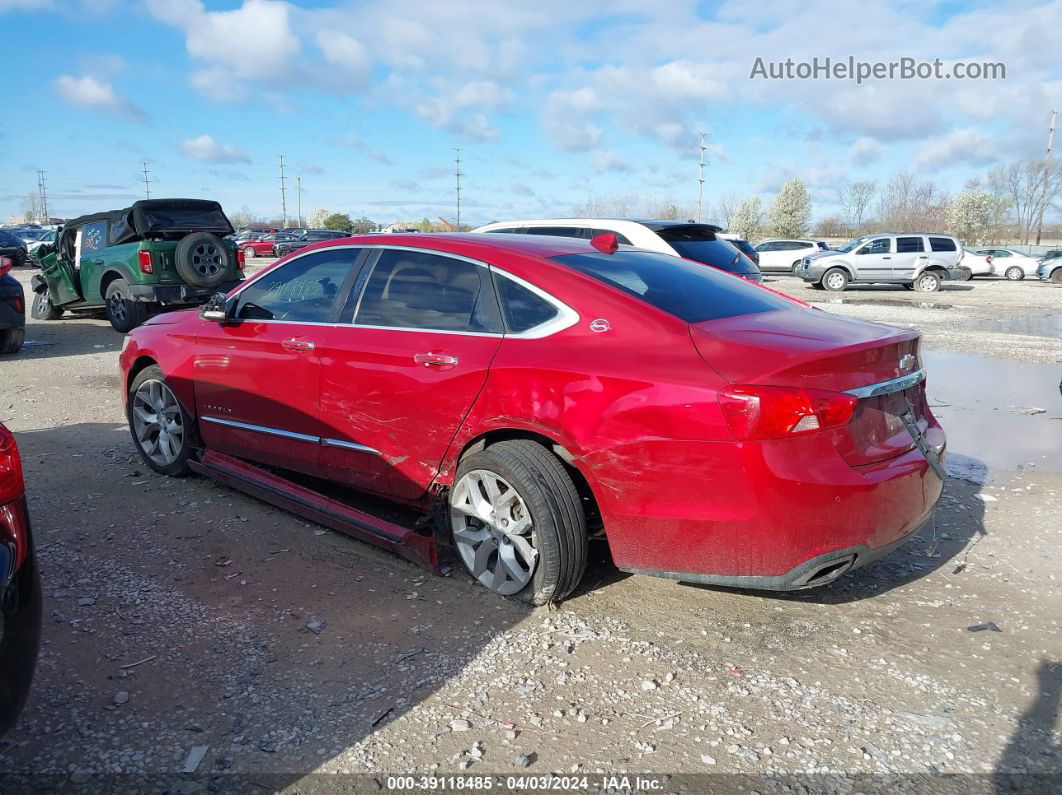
(700, 244)
(852, 244)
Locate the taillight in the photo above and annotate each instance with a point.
(241, 259)
(11, 485)
(144, 258)
(988, 259)
(776, 412)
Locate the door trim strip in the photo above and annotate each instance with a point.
(299, 437)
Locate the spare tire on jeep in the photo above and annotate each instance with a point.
(202, 259)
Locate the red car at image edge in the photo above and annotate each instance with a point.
(526, 394)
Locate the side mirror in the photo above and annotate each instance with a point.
(216, 309)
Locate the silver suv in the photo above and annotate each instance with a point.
(915, 260)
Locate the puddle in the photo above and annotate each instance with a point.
(1030, 325)
(999, 414)
(886, 302)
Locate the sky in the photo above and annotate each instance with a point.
(551, 102)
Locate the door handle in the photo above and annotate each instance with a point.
(925, 256)
(98, 261)
(886, 257)
(295, 344)
(435, 359)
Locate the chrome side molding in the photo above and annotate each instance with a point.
(298, 437)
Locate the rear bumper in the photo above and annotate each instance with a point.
(773, 515)
(177, 293)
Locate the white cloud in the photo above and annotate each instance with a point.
(89, 92)
(568, 119)
(344, 50)
(359, 145)
(204, 147)
(865, 150)
(968, 146)
(606, 161)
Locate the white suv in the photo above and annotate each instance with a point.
(699, 242)
(785, 255)
(915, 260)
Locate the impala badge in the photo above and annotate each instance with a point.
(907, 361)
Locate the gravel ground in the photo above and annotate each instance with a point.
(188, 626)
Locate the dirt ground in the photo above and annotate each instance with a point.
(187, 626)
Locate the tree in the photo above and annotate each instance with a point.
(906, 205)
(855, 202)
(31, 209)
(340, 222)
(1032, 186)
(748, 218)
(790, 213)
(725, 208)
(970, 216)
(424, 225)
(830, 226)
(317, 218)
(242, 219)
(362, 225)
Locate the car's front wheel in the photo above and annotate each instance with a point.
(160, 427)
(248, 253)
(1014, 274)
(11, 340)
(518, 523)
(124, 311)
(42, 307)
(835, 280)
(927, 282)
(1056, 276)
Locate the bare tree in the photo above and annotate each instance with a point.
(725, 207)
(31, 208)
(855, 204)
(617, 206)
(831, 226)
(1031, 186)
(907, 205)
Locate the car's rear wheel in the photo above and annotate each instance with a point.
(42, 307)
(1014, 274)
(1056, 276)
(124, 312)
(835, 280)
(248, 252)
(11, 340)
(928, 282)
(21, 255)
(160, 427)
(518, 523)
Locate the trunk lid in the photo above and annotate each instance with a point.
(812, 349)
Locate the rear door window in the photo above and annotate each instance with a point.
(418, 290)
(942, 244)
(700, 244)
(688, 291)
(907, 245)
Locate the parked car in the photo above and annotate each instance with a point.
(46, 238)
(697, 242)
(263, 246)
(12, 309)
(980, 264)
(284, 247)
(1005, 262)
(155, 254)
(915, 260)
(13, 246)
(20, 587)
(744, 246)
(783, 256)
(532, 391)
(1050, 270)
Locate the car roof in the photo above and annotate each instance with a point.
(469, 243)
(655, 224)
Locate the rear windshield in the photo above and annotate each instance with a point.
(689, 292)
(701, 245)
(164, 219)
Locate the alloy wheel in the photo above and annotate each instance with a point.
(43, 302)
(157, 422)
(926, 283)
(206, 259)
(117, 307)
(1014, 274)
(835, 281)
(493, 531)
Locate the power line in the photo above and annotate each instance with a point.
(700, 180)
(42, 191)
(458, 175)
(283, 194)
(1047, 171)
(147, 182)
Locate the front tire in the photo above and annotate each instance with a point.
(927, 282)
(835, 280)
(161, 429)
(1056, 276)
(11, 340)
(1014, 274)
(517, 522)
(124, 312)
(248, 253)
(42, 307)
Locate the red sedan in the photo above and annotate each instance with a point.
(263, 246)
(537, 392)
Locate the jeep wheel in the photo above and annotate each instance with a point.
(835, 280)
(11, 340)
(202, 259)
(517, 521)
(1014, 274)
(160, 427)
(43, 308)
(928, 282)
(124, 312)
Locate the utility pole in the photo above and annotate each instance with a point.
(42, 190)
(458, 175)
(298, 189)
(700, 181)
(147, 182)
(1047, 172)
(283, 194)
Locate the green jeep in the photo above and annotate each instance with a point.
(157, 253)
